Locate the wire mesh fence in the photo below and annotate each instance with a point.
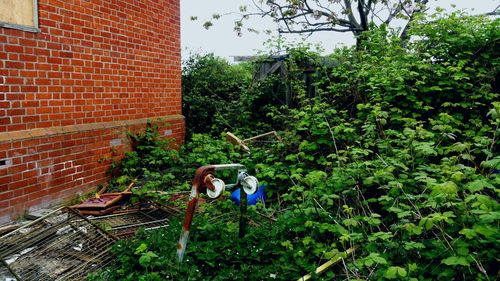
(59, 246)
(65, 245)
(124, 224)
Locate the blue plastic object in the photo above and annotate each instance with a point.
(251, 199)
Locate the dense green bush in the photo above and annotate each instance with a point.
(397, 156)
(220, 97)
(212, 92)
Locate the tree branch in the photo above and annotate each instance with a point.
(350, 15)
(495, 12)
(362, 15)
(396, 11)
(420, 8)
(315, 30)
(307, 16)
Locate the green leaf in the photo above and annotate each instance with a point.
(469, 233)
(377, 258)
(448, 188)
(143, 247)
(144, 260)
(413, 245)
(425, 148)
(457, 176)
(314, 178)
(287, 244)
(492, 164)
(455, 261)
(478, 185)
(350, 222)
(486, 231)
(394, 272)
(380, 236)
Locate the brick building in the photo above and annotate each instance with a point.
(75, 75)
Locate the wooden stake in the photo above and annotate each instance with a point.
(130, 185)
(322, 268)
(261, 136)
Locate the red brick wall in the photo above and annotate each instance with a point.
(110, 63)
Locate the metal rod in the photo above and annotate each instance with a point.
(81, 267)
(243, 213)
(203, 181)
(138, 224)
(32, 223)
(228, 167)
(99, 228)
(183, 239)
(199, 186)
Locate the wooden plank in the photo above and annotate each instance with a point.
(261, 136)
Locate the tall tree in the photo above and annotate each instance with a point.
(356, 16)
(310, 16)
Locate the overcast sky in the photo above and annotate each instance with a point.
(223, 41)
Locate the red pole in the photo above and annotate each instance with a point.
(202, 181)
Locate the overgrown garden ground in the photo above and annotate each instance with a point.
(397, 155)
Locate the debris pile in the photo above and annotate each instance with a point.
(104, 203)
(62, 245)
(65, 245)
(123, 224)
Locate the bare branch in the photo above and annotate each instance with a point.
(394, 12)
(495, 12)
(315, 30)
(307, 16)
(419, 8)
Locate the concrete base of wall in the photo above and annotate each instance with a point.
(43, 167)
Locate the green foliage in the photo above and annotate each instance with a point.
(219, 97)
(149, 157)
(214, 252)
(213, 93)
(161, 170)
(397, 155)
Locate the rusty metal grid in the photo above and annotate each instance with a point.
(5, 274)
(124, 225)
(62, 245)
(65, 245)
